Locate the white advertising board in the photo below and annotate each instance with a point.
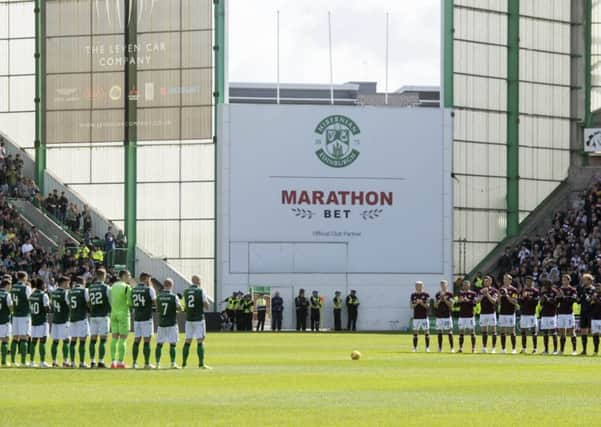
(322, 189)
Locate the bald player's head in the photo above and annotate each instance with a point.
(168, 284)
(196, 280)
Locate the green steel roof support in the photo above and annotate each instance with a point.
(513, 118)
(40, 96)
(219, 51)
(131, 136)
(448, 53)
(588, 37)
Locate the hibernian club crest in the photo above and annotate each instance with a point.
(338, 141)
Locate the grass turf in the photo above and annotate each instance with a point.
(309, 379)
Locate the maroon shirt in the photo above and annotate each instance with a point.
(528, 301)
(420, 312)
(507, 308)
(443, 311)
(596, 306)
(487, 307)
(566, 302)
(466, 307)
(548, 303)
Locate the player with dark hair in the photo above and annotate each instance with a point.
(528, 301)
(39, 304)
(443, 304)
(59, 304)
(420, 303)
(548, 314)
(566, 297)
(508, 304)
(596, 317)
(6, 307)
(585, 296)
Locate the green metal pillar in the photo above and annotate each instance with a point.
(588, 38)
(219, 52)
(449, 33)
(130, 133)
(40, 95)
(513, 118)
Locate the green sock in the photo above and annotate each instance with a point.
(92, 350)
(66, 346)
(157, 353)
(135, 350)
(23, 344)
(82, 351)
(121, 348)
(4, 352)
(13, 350)
(114, 349)
(146, 352)
(200, 350)
(34, 342)
(43, 350)
(102, 350)
(185, 353)
(72, 351)
(172, 352)
(54, 350)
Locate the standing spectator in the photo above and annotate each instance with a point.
(27, 247)
(261, 312)
(62, 205)
(301, 305)
(87, 221)
(2, 151)
(277, 309)
(121, 240)
(352, 307)
(109, 241)
(71, 216)
(11, 180)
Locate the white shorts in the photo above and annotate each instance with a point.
(548, 323)
(5, 330)
(445, 324)
(565, 321)
(99, 326)
(80, 329)
(40, 331)
(466, 323)
(143, 329)
(421, 325)
(196, 330)
(167, 334)
(21, 326)
(596, 327)
(527, 322)
(507, 320)
(60, 331)
(488, 319)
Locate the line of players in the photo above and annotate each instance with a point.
(80, 312)
(554, 304)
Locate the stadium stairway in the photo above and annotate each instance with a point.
(156, 266)
(539, 221)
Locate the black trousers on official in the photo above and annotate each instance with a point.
(315, 317)
(301, 320)
(276, 321)
(231, 314)
(261, 320)
(239, 320)
(248, 321)
(352, 320)
(337, 319)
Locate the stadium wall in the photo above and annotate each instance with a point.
(374, 215)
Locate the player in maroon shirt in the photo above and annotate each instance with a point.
(548, 314)
(596, 318)
(508, 302)
(443, 304)
(488, 312)
(466, 322)
(566, 297)
(420, 303)
(528, 302)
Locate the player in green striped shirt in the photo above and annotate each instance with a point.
(167, 305)
(120, 319)
(195, 302)
(39, 304)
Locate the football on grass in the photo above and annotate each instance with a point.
(355, 355)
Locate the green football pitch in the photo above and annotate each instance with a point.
(310, 380)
